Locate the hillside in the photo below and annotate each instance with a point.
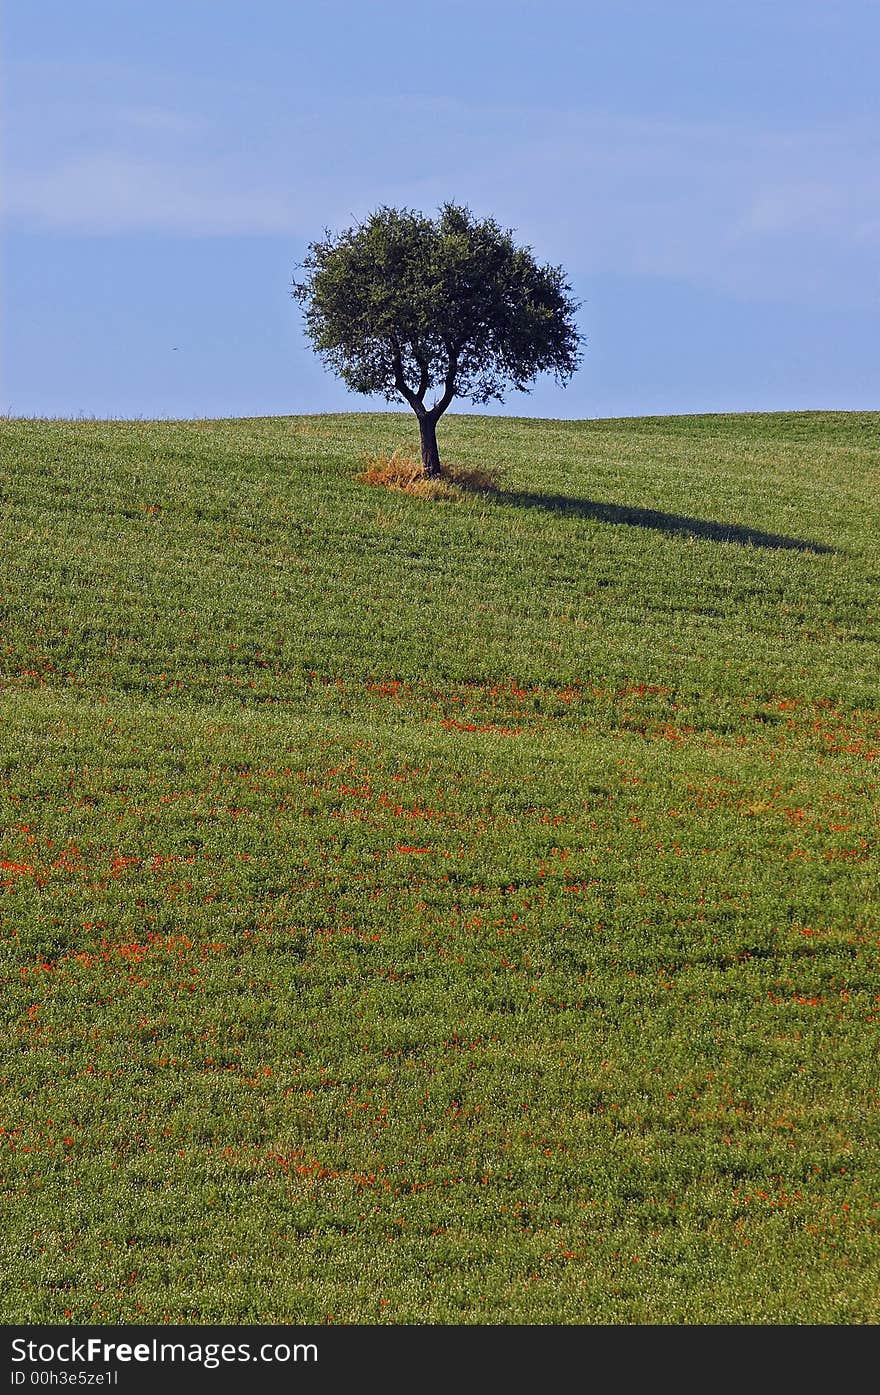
(441, 911)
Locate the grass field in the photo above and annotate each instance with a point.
(441, 911)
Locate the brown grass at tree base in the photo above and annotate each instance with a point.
(407, 476)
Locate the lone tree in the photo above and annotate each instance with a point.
(405, 305)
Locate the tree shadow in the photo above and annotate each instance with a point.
(674, 524)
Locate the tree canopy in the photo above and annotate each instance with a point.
(406, 306)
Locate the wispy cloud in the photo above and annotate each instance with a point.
(109, 193)
(751, 211)
(160, 119)
(772, 214)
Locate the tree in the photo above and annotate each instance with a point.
(404, 305)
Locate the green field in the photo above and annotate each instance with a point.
(426, 911)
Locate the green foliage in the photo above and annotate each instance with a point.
(402, 304)
(447, 912)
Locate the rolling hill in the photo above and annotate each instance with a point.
(441, 910)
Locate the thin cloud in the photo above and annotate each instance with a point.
(159, 119)
(770, 214)
(109, 193)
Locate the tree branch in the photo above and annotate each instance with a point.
(423, 375)
(413, 398)
(443, 402)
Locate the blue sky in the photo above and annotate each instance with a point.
(707, 173)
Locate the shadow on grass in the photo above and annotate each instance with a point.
(672, 523)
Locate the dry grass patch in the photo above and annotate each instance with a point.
(407, 476)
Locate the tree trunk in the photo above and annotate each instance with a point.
(430, 453)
